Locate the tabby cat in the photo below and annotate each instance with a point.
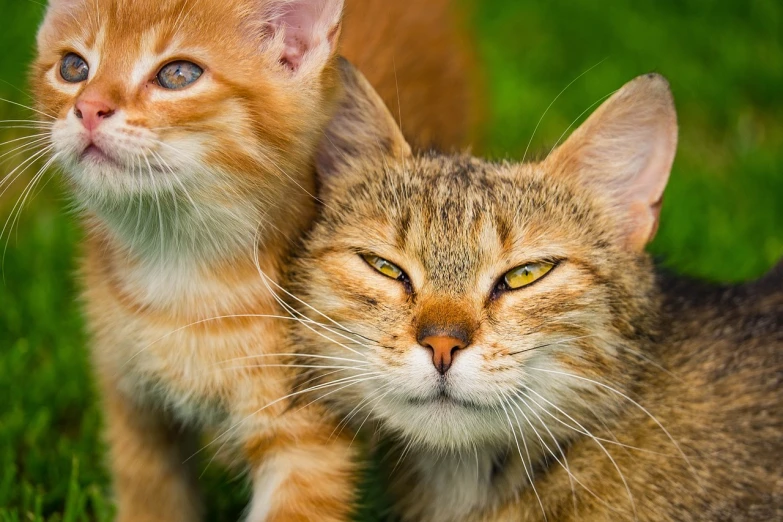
(520, 358)
(186, 130)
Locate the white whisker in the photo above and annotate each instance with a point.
(642, 408)
(29, 108)
(553, 102)
(522, 458)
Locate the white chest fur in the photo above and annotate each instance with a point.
(180, 338)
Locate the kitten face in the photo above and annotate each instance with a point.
(132, 127)
(194, 101)
(456, 229)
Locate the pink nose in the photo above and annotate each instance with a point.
(92, 112)
(443, 348)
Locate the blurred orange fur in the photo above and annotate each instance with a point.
(419, 57)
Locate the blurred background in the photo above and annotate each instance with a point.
(722, 218)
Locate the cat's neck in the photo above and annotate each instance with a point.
(173, 250)
(170, 230)
(462, 482)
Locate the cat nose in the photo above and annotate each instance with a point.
(92, 112)
(443, 349)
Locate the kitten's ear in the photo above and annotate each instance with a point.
(361, 129)
(305, 31)
(625, 151)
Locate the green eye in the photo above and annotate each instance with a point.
(74, 69)
(526, 274)
(386, 268)
(178, 75)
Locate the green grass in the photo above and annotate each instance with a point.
(722, 219)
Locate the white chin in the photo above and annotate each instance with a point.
(445, 425)
(101, 179)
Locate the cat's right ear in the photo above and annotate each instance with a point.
(302, 33)
(361, 131)
(624, 153)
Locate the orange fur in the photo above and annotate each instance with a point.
(190, 207)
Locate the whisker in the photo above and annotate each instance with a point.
(39, 141)
(45, 124)
(374, 374)
(614, 463)
(185, 191)
(642, 408)
(157, 205)
(347, 418)
(250, 366)
(581, 430)
(376, 401)
(21, 202)
(209, 319)
(564, 464)
(589, 108)
(501, 402)
(552, 344)
(571, 477)
(552, 103)
(295, 182)
(24, 165)
(11, 85)
(267, 280)
(29, 108)
(226, 434)
(305, 355)
(8, 125)
(402, 455)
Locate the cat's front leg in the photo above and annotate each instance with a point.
(151, 482)
(308, 474)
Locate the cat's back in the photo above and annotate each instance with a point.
(746, 315)
(703, 425)
(723, 395)
(730, 339)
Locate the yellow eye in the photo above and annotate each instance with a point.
(381, 265)
(527, 274)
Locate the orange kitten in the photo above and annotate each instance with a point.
(186, 130)
(507, 337)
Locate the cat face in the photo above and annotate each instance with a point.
(469, 297)
(153, 98)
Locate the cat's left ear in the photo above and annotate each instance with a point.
(362, 131)
(304, 33)
(624, 152)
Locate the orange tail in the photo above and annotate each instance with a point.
(421, 60)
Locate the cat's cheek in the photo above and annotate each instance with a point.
(468, 378)
(68, 140)
(419, 377)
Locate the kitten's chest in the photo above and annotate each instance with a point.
(191, 345)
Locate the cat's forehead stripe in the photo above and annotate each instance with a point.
(149, 57)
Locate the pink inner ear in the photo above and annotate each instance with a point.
(307, 25)
(624, 151)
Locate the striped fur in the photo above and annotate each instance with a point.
(602, 392)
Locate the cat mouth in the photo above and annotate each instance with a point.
(446, 399)
(95, 154)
